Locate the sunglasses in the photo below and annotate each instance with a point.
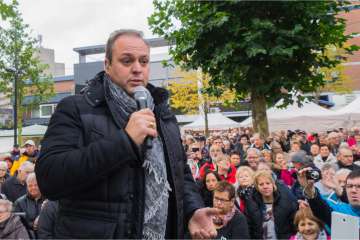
(195, 149)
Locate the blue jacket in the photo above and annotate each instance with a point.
(322, 208)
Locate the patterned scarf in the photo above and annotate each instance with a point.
(156, 185)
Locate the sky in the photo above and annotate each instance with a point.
(68, 24)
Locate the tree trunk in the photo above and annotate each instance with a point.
(206, 110)
(258, 108)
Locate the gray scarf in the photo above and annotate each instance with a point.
(156, 185)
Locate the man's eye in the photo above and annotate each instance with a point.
(126, 61)
(144, 61)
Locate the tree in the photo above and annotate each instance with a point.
(6, 10)
(189, 92)
(20, 69)
(267, 50)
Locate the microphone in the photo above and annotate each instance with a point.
(143, 100)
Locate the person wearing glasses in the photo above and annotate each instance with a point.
(322, 208)
(230, 222)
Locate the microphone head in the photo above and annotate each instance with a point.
(143, 95)
(140, 92)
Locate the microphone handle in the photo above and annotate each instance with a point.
(142, 103)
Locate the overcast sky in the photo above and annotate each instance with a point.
(67, 24)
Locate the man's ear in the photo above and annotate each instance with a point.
(107, 65)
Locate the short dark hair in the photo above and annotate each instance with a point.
(118, 33)
(244, 136)
(324, 145)
(234, 152)
(207, 172)
(224, 186)
(353, 174)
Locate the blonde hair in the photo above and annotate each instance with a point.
(222, 157)
(265, 174)
(245, 169)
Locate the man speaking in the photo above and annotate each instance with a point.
(94, 159)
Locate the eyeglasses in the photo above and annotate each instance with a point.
(350, 186)
(195, 149)
(220, 200)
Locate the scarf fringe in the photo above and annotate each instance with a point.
(150, 234)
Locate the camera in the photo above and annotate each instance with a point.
(313, 174)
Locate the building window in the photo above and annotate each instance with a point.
(47, 110)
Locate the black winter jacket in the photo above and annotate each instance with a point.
(47, 220)
(89, 163)
(13, 189)
(236, 228)
(31, 208)
(284, 209)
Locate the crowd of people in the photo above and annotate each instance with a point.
(284, 186)
(24, 210)
(281, 187)
(262, 186)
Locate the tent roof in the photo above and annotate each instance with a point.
(352, 107)
(215, 121)
(308, 109)
(33, 130)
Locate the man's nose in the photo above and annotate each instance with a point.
(136, 67)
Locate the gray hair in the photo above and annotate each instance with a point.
(257, 151)
(327, 166)
(3, 164)
(31, 177)
(7, 203)
(26, 165)
(343, 171)
(118, 33)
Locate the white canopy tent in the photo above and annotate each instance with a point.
(216, 121)
(352, 113)
(7, 136)
(308, 117)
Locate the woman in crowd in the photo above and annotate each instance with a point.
(308, 226)
(230, 223)
(283, 173)
(267, 155)
(3, 172)
(10, 225)
(245, 181)
(207, 187)
(270, 210)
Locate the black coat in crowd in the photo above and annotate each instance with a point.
(13, 189)
(31, 208)
(47, 219)
(236, 228)
(90, 164)
(284, 209)
(206, 195)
